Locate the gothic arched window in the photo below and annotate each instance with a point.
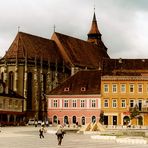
(2, 77)
(11, 80)
(44, 83)
(29, 91)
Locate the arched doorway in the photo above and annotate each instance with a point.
(55, 119)
(83, 120)
(126, 120)
(93, 119)
(140, 120)
(74, 119)
(66, 120)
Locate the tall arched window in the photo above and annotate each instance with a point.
(2, 77)
(44, 83)
(74, 119)
(83, 120)
(93, 119)
(29, 91)
(126, 120)
(11, 80)
(55, 119)
(66, 120)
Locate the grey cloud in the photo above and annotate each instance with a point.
(118, 21)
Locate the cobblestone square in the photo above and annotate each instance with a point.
(28, 137)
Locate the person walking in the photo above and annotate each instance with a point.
(41, 131)
(60, 134)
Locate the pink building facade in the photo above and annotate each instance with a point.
(72, 109)
(77, 100)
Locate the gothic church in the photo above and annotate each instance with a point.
(33, 65)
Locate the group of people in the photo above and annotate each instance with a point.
(60, 133)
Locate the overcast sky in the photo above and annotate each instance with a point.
(122, 23)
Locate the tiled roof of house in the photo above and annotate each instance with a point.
(83, 82)
(33, 46)
(77, 52)
(124, 66)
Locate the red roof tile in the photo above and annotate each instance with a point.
(78, 52)
(33, 46)
(90, 80)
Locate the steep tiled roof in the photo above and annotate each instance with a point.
(30, 45)
(124, 66)
(77, 52)
(83, 82)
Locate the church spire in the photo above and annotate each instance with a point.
(94, 34)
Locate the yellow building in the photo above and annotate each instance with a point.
(120, 96)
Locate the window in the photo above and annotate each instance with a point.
(123, 88)
(11, 80)
(106, 104)
(114, 103)
(131, 103)
(147, 88)
(83, 88)
(93, 103)
(1, 104)
(10, 103)
(65, 103)
(106, 88)
(74, 103)
(123, 103)
(16, 104)
(114, 88)
(82, 103)
(55, 103)
(140, 88)
(131, 87)
(66, 89)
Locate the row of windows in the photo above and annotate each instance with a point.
(124, 103)
(11, 104)
(74, 103)
(123, 88)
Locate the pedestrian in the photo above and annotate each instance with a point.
(36, 123)
(60, 134)
(41, 131)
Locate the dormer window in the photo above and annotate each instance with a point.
(66, 89)
(83, 88)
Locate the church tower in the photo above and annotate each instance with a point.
(94, 35)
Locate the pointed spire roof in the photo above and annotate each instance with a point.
(94, 27)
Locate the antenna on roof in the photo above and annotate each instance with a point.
(54, 27)
(94, 5)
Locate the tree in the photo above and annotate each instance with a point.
(101, 120)
(134, 112)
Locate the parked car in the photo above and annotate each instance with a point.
(31, 122)
(39, 122)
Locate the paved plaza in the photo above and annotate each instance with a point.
(28, 137)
